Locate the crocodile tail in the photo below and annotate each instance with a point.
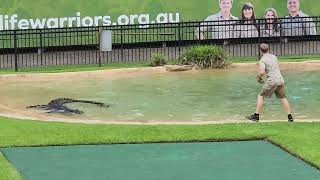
(35, 106)
(90, 102)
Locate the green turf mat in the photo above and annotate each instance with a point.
(247, 160)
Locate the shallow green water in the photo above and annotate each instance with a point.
(188, 96)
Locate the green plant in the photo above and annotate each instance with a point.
(205, 57)
(158, 60)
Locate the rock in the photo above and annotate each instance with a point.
(175, 68)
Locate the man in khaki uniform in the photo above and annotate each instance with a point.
(220, 25)
(274, 84)
(297, 23)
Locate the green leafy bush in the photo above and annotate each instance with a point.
(158, 60)
(205, 57)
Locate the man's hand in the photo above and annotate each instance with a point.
(260, 80)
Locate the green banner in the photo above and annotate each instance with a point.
(38, 14)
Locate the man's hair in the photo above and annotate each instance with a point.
(223, 0)
(264, 47)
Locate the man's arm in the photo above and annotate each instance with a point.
(261, 72)
(310, 27)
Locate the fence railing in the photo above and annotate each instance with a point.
(132, 43)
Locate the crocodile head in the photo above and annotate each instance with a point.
(77, 111)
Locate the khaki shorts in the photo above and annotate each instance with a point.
(268, 89)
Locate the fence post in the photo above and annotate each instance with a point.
(179, 37)
(99, 44)
(282, 45)
(199, 33)
(121, 41)
(259, 38)
(41, 47)
(15, 50)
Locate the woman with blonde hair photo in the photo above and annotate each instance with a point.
(271, 27)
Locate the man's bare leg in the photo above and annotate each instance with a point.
(260, 102)
(286, 105)
(255, 116)
(287, 108)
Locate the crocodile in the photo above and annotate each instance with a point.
(58, 106)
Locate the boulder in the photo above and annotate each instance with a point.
(175, 68)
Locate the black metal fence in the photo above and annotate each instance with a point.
(133, 43)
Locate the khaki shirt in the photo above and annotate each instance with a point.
(246, 30)
(296, 26)
(221, 29)
(271, 66)
(269, 33)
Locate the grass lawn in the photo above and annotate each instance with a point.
(301, 139)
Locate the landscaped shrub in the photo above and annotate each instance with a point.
(158, 60)
(205, 57)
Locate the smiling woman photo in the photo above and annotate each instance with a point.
(271, 27)
(247, 27)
